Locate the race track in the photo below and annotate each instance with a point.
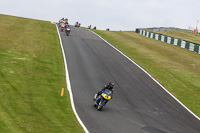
(139, 105)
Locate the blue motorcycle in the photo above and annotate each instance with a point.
(103, 99)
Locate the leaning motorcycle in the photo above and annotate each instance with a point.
(62, 26)
(103, 99)
(67, 31)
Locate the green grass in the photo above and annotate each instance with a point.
(183, 35)
(177, 69)
(31, 78)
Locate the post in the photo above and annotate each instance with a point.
(197, 28)
(62, 92)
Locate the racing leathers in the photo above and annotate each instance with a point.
(102, 90)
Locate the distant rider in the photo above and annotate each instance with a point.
(109, 86)
(66, 20)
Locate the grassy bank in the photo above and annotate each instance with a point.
(184, 35)
(175, 68)
(31, 78)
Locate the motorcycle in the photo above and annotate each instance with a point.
(62, 26)
(103, 99)
(77, 24)
(67, 30)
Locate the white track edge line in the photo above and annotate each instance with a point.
(69, 84)
(148, 75)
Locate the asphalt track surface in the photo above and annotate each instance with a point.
(139, 105)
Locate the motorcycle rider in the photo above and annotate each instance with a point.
(66, 20)
(66, 25)
(109, 86)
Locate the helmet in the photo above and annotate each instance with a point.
(111, 84)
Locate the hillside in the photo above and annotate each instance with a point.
(184, 35)
(32, 74)
(31, 78)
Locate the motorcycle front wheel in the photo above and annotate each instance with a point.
(95, 104)
(101, 104)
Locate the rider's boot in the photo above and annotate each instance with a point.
(95, 97)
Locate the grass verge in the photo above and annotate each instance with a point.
(31, 78)
(175, 68)
(183, 35)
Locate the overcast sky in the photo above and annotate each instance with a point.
(113, 14)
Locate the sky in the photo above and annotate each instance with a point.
(125, 15)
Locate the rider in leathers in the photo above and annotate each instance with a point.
(109, 86)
